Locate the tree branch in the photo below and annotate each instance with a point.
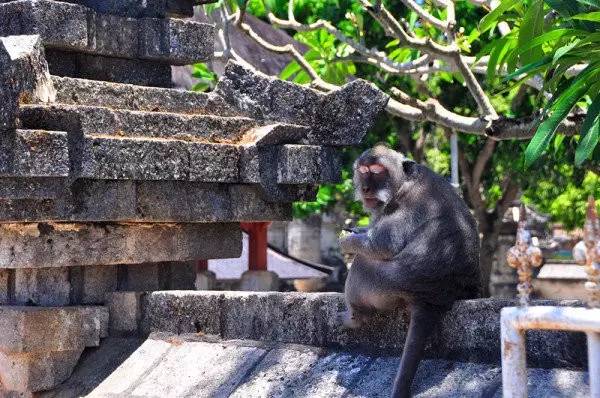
(482, 159)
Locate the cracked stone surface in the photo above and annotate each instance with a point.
(184, 365)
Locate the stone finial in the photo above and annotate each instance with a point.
(523, 256)
(588, 252)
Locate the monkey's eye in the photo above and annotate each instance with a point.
(363, 169)
(376, 168)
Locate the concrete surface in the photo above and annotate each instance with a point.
(198, 366)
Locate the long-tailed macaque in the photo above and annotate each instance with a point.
(421, 248)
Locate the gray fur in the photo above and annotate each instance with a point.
(422, 249)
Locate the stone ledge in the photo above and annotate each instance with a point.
(38, 245)
(40, 346)
(470, 331)
(341, 117)
(42, 200)
(76, 91)
(141, 8)
(79, 29)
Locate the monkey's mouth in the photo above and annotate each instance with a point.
(371, 202)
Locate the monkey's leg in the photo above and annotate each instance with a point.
(423, 320)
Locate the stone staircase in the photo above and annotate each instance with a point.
(111, 181)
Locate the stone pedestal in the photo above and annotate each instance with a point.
(259, 281)
(205, 280)
(304, 238)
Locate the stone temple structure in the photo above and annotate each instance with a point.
(109, 179)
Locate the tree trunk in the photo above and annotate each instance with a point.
(489, 244)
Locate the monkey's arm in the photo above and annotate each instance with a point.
(370, 244)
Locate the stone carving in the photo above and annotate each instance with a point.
(524, 256)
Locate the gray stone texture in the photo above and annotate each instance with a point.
(92, 120)
(79, 29)
(259, 281)
(140, 201)
(140, 8)
(39, 346)
(37, 245)
(128, 96)
(42, 286)
(90, 284)
(205, 280)
(23, 76)
(338, 118)
(469, 332)
(5, 288)
(124, 312)
(34, 153)
(89, 66)
(182, 366)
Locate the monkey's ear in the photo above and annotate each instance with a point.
(408, 166)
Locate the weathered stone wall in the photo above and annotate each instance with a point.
(469, 332)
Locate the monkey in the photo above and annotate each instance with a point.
(421, 249)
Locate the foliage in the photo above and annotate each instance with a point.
(207, 78)
(548, 38)
(566, 203)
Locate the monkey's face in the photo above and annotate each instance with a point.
(371, 181)
(378, 175)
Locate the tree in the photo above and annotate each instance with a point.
(429, 62)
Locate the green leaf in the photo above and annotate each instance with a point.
(502, 47)
(557, 111)
(590, 132)
(291, 69)
(527, 69)
(567, 8)
(590, 16)
(558, 54)
(532, 27)
(491, 19)
(544, 38)
(393, 43)
(593, 3)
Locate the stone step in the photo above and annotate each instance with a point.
(34, 153)
(103, 121)
(76, 91)
(40, 346)
(141, 8)
(76, 28)
(86, 200)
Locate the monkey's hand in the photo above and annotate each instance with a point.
(350, 243)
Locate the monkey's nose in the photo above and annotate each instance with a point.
(366, 189)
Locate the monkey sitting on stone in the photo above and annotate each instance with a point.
(421, 249)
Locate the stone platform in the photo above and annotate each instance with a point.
(184, 366)
(291, 345)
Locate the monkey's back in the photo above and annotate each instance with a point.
(438, 247)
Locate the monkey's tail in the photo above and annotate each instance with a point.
(423, 321)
